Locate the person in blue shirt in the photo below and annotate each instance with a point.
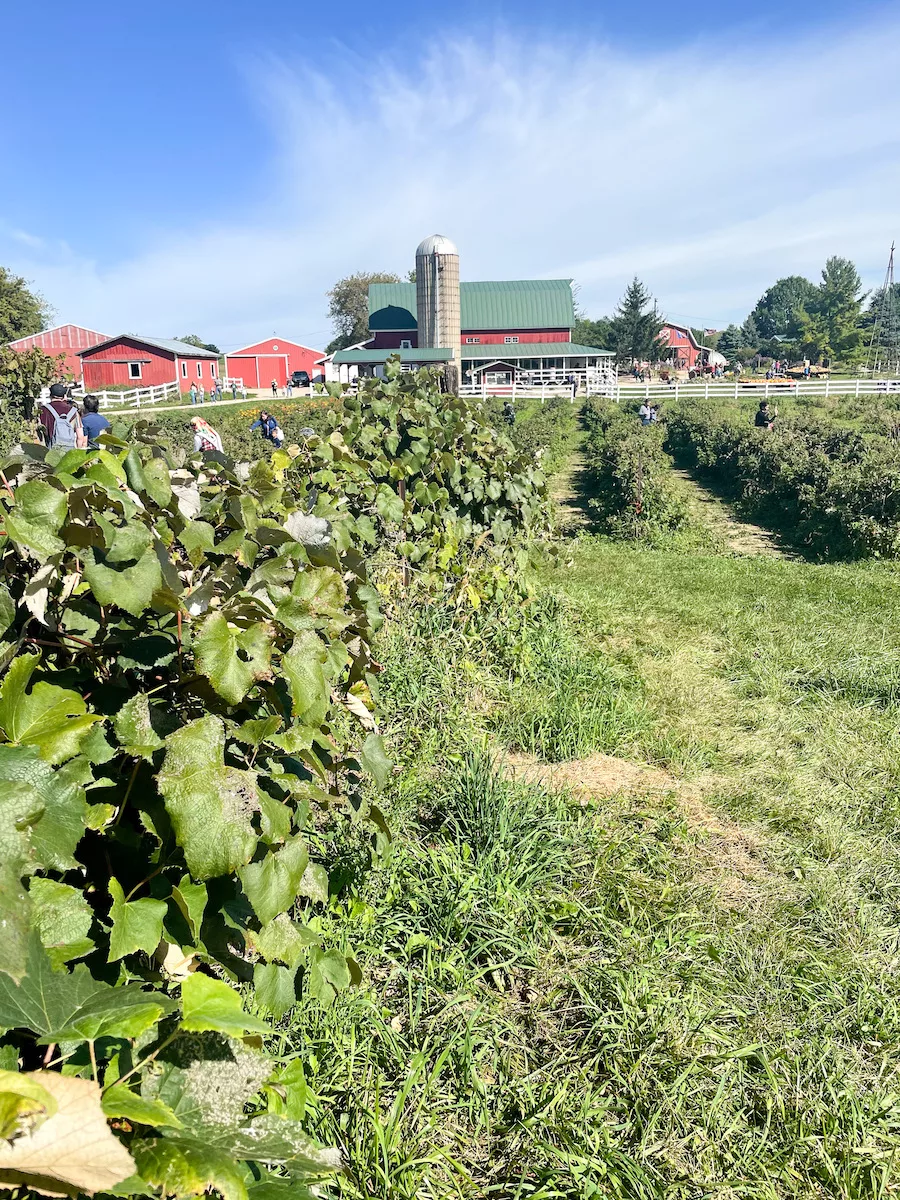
(268, 427)
(93, 422)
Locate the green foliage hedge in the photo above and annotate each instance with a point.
(831, 491)
(633, 491)
(186, 727)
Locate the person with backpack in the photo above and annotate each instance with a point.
(93, 422)
(206, 439)
(60, 424)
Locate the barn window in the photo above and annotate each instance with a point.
(472, 341)
(184, 370)
(212, 369)
(199, 370)
(406, 345)
(134, 370)
(510, 341)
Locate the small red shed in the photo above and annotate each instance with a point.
(69, 340)
(147, 362)
(276, 358)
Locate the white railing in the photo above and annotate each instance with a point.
(136, 397)
(761, 389)
(559, 381)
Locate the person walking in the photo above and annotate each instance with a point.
(274, 387)
(93, 422)
(201, 393)
(234, 389)
(218, 388)
(206, 439)
(59, 422)
(193, 393)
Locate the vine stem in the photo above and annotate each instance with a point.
(134, 771)
(143, 1062)
(93, 1059)
(6, 485)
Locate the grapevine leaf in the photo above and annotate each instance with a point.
(218, 648)
(210, 805)
(7, 609)
(389, 505)
(302, 666)
(314, 883)
(157, 483)
(273, 1188)
(39, 511)
(128, 573)
(21, 807)
(52, 718)
(61, 1006)
(62, 918)
(24, 1103)
(184, 1167)
(121, 1101)
(134, 728)
(274, 987)
(211, 1004)
(191, 900)
(73, 1151)
(328, 974)
(283, 939)
(272, 884)
(276, 1141)
(374, 759)
(55, 836)
(136, 924)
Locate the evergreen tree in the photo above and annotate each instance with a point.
(880, 323)
(750, 337)
(730, 343)
(636, 325)
(839, 303)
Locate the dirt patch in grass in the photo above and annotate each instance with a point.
(733, 860)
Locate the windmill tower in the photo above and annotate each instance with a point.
(884, 345)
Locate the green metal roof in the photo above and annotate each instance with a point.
(425, 355)
(507, 304)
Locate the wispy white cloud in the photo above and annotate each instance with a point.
(708, 170)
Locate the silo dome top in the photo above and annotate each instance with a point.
(436, 244)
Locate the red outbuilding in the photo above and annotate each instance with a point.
(276, 358)
(147, 362)
(69, 340)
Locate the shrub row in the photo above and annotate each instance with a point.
(633, 491)
(829, 490)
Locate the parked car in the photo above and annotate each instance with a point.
(300, 379)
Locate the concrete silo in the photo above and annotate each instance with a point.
(437, 300)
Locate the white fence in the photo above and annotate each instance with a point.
(136, 397)
(593, 381)
(763, 389)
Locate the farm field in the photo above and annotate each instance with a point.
(607, 906)
(638, 932)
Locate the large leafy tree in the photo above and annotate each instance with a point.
(775, 311)
(636, 325)
(21, 310)
(828, 324)
(192, 339)
(348, 306)
(592, 333)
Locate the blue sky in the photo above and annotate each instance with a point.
(215, 167)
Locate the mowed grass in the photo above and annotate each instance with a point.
(681, 992)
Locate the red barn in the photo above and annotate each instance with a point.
(276, 358)
(147, 362)
(69, 340)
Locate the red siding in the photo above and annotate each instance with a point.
(244, 367)
(491, 337)
(291, 355)
(391, 339)
(63, 339)
(682, 342)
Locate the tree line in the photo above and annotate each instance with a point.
(794, 319)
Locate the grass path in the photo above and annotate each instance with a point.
(742, 537)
